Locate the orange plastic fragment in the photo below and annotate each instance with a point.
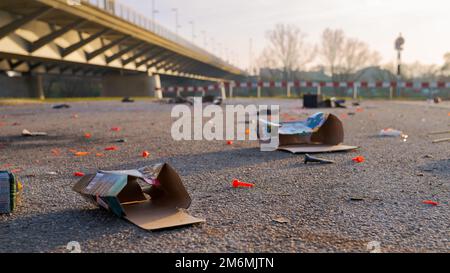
(429, 202)
(87, 135)
(239, 184)
(112, 148)
(81, 153)
(359, 159)
(145, 154)
(78, 174)
(115, 129)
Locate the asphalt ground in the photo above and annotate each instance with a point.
(293, 208)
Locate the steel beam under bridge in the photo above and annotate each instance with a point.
(55, 35)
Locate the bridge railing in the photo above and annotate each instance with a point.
(132, 16)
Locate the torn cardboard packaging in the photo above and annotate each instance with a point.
(152, 197)
(317, 134)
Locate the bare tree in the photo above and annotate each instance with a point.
(331, 49)
(419, 71)
(287, 49)
(446, 67)
(343, 56)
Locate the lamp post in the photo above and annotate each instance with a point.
(177, 25)
(193, 30)
(154, 10)
(399, 43)
(204, 39)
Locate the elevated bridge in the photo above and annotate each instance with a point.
(98, 38)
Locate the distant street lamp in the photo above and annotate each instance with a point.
(204, 39)
(154, 10)
(193, 30)
(177, 25)
(399, 43)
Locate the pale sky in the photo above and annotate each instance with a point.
(425, 25)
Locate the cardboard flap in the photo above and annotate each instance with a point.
(152, 217)
(102, 184)
(121, 193)
(132, 192)
(331, 132)
(316, 148)
(170, 191)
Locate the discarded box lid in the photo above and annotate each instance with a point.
(9, 192)
(161, 206)
(317, 134)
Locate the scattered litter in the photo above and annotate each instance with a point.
(78, 174)
(356, 199)
(10, 189)
(16, 171)
(115, 129)
(317, 134)
(281, 220)
(27, 133)
(311, 159)
(145, 154)
(15, 124)
(437, 99)
(351, 113)
(74, 116)
(112, 148)
(359, 159)
(429, 202)
(359, 109)
(56, 152)
(229, 142)
(127, 100)
(239, 184)
(427, 156)
(389, 132)
(99, 155)
(161, 203)
(343, 116)
(81, 153)
(61, 106)
(121, 140)
(420, 174)
(51, 173)
(87, 135)
(441, 140)
(318, 101)
(180, 100)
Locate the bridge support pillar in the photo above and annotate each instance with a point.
(223, 92)
(39, 87)
(157, 86)
(24, 86)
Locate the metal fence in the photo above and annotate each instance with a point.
(381, 90)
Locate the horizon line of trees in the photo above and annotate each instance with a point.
(339, 56)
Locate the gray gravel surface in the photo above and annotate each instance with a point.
(314, 201)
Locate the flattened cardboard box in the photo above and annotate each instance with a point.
(318, 134)
(160, 204)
